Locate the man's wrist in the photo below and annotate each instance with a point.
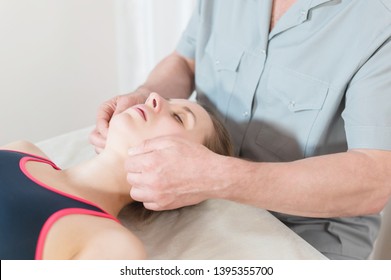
(228, 181)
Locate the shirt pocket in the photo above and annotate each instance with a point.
(292, 104)
(218, 70)
(225, 55)
(296, 91)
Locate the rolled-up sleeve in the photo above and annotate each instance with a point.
(367, 114)
(187, 43)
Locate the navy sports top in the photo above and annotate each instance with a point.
(28, 208)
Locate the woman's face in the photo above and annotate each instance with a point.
(160, 117)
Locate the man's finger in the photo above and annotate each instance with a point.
(141, 194)
(140, 163)
(154, 144)
(102, 127)
(97, 139)
(153, 206)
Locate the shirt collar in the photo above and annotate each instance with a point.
(310, 4)
(300, 11)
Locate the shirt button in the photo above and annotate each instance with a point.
(303, 14)
(263, 51)
(217, 62)
(292, 104)
(245, 114)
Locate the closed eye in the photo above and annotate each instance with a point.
(177, 118)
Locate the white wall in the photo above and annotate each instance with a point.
(60, 59)
(57, 65)
(147, 31)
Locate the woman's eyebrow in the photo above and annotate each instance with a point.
(187, 109)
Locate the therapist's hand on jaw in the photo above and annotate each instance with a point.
(171, 172)
(110, 108)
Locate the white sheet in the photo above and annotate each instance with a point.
(215, 229)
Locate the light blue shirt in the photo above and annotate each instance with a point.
(318, 83)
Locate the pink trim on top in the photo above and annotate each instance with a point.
(61, 213)
(22, 165)
(55, 217)
(33, 155)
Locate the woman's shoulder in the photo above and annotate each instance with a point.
(24, 146)
(90, 237)
(111, 240)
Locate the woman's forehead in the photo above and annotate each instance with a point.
(194, 106)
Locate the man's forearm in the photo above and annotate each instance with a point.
(173, 77)
(345, 184)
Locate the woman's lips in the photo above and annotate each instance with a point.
(141, 112)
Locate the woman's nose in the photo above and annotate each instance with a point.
(155, 101)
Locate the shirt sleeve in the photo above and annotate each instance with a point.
(367, 113)
(187, 42)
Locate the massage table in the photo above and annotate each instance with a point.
(212, 230)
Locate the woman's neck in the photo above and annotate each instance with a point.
(101, 180)
(280, 7)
